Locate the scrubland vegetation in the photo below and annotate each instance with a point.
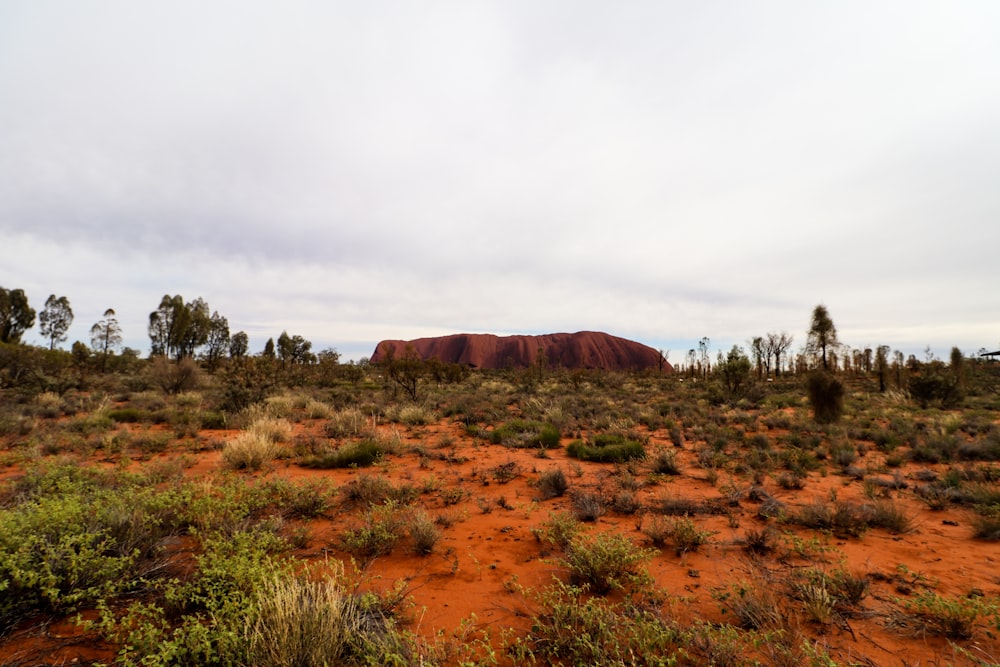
(257, 510)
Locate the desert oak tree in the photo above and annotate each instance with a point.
(822, 334)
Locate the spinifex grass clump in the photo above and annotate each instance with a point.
(607, 448)
(520, 433)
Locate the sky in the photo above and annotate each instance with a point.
(359, 171)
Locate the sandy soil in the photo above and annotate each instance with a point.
(488, 549)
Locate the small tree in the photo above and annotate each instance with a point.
(822, 334)
(777, 345)
(239, 344)
(55, 319)
(734, 369)
(218, 341)
(882, 365)
(16, 316)
(106, 335)
(958, 368)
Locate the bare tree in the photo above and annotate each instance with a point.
(777, 345)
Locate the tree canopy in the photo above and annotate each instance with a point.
(16, 316)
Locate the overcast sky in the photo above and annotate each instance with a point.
(662, 171)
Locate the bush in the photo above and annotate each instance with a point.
(174, 377)
(929, 614)
(605, 563)
(356, 455)
(607, 448)
(934, 386)
(519, 433)
(560, 530)
(665, 463)
(380, 530)
(424, 533)
(552, 483)
(826, 396)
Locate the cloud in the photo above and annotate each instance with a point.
(661, 171)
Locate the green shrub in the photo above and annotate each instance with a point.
(607, 448)
(520, 433)
(559, 531)
(129, 415)
(355, 455)
(931, 615)
(573, 627)
(605, 563)
(381, 528)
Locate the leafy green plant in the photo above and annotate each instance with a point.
(355, 455)
(520, 433)
(607, 448)
(929, 614)
(606, 562)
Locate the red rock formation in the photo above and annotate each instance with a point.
(585, 349)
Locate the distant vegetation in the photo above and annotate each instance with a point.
(102, 518)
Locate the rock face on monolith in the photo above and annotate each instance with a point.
(585, 349)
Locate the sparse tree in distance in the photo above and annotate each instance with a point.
(239, 345)
(55, 319)
(268, 349)
(217, 343)
(822, 334)
(177, 329)
(777, 345)
(16, 316)
(882, 365)
(106, 335)
(958, 368)
(734, 369)
(761, 360)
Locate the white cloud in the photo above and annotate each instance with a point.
(658, 170)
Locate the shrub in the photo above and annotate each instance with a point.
(986, 526)
(520, 433)
(607, 448)
(587, 506)
(665, 463)
(174, 377)
(686, 537)
(128, 415)
(356, 455)
(606, 562)
(574, 628)
(381, 528)
(826, 396)
(374, 490)
(424, 533)
(560, 530)
(929, 614)
(552, 483)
